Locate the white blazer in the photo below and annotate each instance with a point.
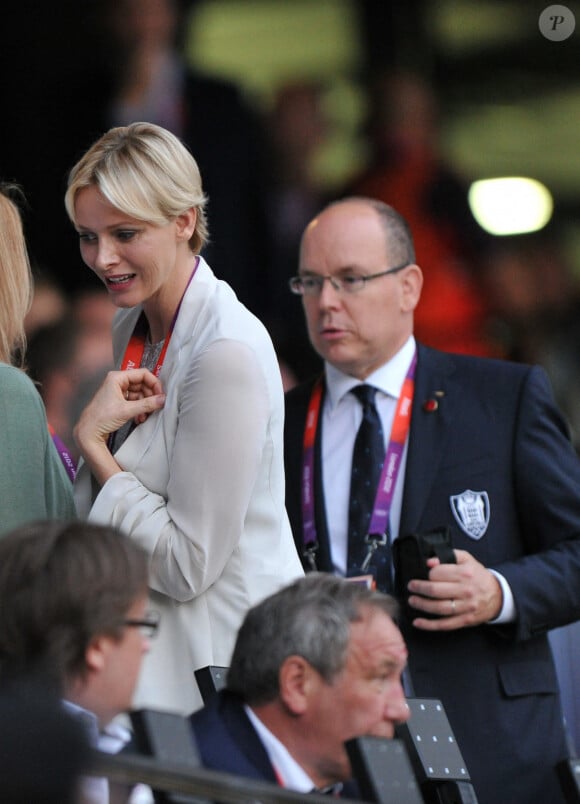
(202, 488)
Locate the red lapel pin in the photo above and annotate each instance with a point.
(431, 405)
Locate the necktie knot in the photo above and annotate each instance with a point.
(365, 395)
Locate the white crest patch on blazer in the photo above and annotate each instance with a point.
(471, 511)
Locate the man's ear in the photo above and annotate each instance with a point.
(411, 285)
(185, 224)
(298, 682)
(96, 653)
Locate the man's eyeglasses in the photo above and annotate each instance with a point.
(312, 284)
(148, 625)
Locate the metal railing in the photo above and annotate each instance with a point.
(199, 783)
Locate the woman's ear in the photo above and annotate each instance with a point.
(185, 224)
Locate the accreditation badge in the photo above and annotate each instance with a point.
(365, 580)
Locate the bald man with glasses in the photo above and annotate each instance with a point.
(396, 438)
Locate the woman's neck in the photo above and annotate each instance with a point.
(160, 309)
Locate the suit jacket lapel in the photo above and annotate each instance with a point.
(429, 429)
(245, 737)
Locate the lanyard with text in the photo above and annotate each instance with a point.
(308, 513)
(380, 516)
(136, 346)
(64, 454)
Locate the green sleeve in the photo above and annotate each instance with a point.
(33, 482)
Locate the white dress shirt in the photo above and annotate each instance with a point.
(290, 774)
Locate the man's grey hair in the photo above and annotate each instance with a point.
(312, 618)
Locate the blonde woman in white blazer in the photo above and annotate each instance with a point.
(182, 446)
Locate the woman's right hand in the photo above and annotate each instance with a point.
(123, 395)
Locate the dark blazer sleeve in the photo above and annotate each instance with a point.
(546, 580)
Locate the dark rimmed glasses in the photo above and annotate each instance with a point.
(312, 284)
(148, 625)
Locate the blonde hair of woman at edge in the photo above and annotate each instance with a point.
(15, 280)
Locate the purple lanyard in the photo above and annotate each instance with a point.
(386, 489)
(65, 456)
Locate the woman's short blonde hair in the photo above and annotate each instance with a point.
(146, 172)
(15, 279)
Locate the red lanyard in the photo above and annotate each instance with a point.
(399, 430)
(392, 463)
(308, 520)
(136, 346)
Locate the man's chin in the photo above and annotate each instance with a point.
(335, 771)
(335, 353)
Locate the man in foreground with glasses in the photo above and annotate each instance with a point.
(398, 444)
(73, 620)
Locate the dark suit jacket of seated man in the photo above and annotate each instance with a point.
(314, 665)
(486, 455)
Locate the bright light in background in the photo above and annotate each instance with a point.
(510, 205)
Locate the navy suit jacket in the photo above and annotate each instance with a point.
(228, 742)
(495, 430)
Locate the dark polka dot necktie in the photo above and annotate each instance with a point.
(367, 463)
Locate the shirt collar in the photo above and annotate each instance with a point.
(290, 773)
(111, 739)
(388, 378)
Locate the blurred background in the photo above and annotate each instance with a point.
(509, 98)
(287, 105)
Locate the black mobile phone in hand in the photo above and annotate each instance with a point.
(410, 554)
